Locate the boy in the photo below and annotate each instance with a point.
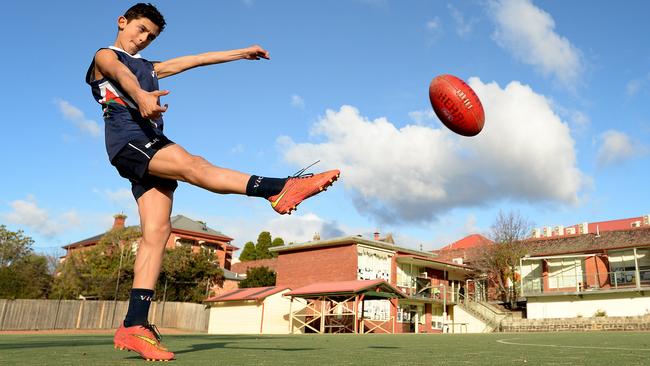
(126, 86)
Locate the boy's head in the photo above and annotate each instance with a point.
(138, 27)
(142, 10)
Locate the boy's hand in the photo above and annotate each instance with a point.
(148, 104)
(255, 52)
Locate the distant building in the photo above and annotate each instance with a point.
(396, 289)
(185, 232)
(605, 272)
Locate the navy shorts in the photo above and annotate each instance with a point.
(132, 162)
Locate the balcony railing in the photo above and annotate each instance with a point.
(586, 282)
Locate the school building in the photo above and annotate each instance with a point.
(597, 269)
(356, 285)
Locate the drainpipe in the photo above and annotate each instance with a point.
(637, 275)
(521, 277)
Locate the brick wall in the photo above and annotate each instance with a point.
(631, 323)
(301, 268)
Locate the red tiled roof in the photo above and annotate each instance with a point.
(588, 243)
(343, 287)
(467, 242)
(252, 293)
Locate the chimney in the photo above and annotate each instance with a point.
(119, 221)
(376, 235)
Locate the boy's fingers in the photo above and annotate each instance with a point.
(159, 93)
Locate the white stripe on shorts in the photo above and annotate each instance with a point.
(145, 154)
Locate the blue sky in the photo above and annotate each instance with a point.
(565, 88)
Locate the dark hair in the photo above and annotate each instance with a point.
(142, 10)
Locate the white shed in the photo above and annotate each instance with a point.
(256, 310)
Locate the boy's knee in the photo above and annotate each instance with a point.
(195, 168)
(152, 232)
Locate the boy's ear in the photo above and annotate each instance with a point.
(121, 22)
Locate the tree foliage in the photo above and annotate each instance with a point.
(500, 261)
(23, 274)
(258, 277)
(108, 267)
(187, 276)
(260, 250)
(94, 273)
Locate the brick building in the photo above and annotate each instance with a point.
(185, 232)
(428, 286)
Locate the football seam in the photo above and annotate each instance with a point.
(471, 111)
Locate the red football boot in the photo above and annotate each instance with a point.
(144, 340)
(300, 187)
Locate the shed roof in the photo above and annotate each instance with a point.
(347, 288)
(252, 293)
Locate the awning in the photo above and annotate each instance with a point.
(374, 289)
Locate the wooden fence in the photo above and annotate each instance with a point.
(88, 314)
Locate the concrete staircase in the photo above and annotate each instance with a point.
(491, 315)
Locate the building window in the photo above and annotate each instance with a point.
(373, 264)
(564, 273)
(407, 274)
(182, 242)
(376, 309)
(623, 266)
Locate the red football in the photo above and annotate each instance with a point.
(456, 104)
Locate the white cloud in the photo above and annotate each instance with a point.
(634, 86)
(528, 32)
(463, 26)
(296, 228)
(297, 101)
(121, 199)
(76, 116)
(415, 173)
(27, 213)
(616, 147)
(422, 117)
(434, 27)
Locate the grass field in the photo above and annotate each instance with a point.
(611, 348)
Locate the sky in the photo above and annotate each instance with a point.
(564, 85)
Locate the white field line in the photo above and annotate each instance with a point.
(506, 341)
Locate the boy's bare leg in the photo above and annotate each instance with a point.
(155, 207)
(174, 162)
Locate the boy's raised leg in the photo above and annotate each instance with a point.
(284, 194)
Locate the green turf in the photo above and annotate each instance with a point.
(607, 348)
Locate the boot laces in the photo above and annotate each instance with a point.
(154, 330)
(301, 173)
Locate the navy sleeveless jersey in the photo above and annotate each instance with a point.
(122, 119)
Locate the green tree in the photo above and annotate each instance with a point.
(248, 253)
(258, 277)
(277, 242)
(260, 250)
(188, 276)
(23, 274)
(263, 245)
(13, 246)
(101, 270)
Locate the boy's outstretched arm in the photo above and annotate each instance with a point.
(180, 64)
(109, 66)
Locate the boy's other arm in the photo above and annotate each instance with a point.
(180, 64)
(109, 66)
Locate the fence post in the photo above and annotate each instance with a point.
(56, 315)
(4, 313)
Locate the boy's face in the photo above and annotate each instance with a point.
(136, 34)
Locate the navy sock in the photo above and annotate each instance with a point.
(264, 187)
(139, 302)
